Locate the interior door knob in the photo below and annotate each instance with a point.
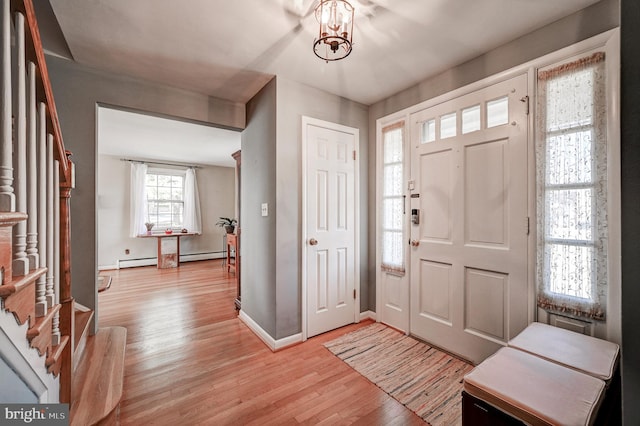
(415, 243)
(313, 242)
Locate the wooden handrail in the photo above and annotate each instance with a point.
(35, 52)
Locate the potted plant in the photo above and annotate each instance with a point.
(149, 226)
(228, 224)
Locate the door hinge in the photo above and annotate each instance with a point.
(354, 155)
(354, 293)
(525, 99)
(527, 225)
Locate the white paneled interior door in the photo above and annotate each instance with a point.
(469, 250)
(330, 235)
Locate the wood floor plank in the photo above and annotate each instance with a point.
(190, 361)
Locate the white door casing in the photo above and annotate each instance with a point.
(330, 226)
(469, 252)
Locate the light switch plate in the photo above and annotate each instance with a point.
(265, 209)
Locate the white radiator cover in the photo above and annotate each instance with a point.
(148, 261)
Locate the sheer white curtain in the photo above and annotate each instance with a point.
(138, 199)
(192, 218)
(392, 232)
(571, 162)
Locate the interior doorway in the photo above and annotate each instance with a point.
(169, 145)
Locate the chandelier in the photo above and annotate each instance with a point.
(336, 30)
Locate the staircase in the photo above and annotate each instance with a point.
(46, 347)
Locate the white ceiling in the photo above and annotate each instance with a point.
(138, 136)
(231, 48)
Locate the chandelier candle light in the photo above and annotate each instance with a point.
(336, 30)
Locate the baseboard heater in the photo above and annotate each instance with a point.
(148, 261)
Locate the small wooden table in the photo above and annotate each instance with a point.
(232, 243)
(168, 248)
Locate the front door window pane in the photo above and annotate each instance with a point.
(498, 112)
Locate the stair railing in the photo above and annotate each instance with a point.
(36, 177)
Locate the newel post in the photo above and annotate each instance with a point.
(67, 311)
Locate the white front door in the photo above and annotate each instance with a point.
(469, 250)
(330, 234)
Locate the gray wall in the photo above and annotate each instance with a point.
(630, 158)
(77, 91)
(293, 101)
(216, 188)
(258, 185)
(14, 389)
(271, 169)
(579, 26)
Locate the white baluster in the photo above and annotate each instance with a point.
(49, 216)
(7, 197)
(32, 170)
(56, 253)
(21, 262)
(41, 283)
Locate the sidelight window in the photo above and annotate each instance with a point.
(571, 156)
(392, 233)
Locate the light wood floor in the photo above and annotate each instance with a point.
(190, 361)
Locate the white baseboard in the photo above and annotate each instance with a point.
(202, 256)
(288, 341)
(107, 267)
(367, 315)
(132, 263)
(149, 261)
(273, 344)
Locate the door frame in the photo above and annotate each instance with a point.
(608, 40)
(528, 68)
(306, 121)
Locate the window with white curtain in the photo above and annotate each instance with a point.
(168, 198)
(392, 233)
(571, 159)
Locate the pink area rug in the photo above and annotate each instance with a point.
(425, 380)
